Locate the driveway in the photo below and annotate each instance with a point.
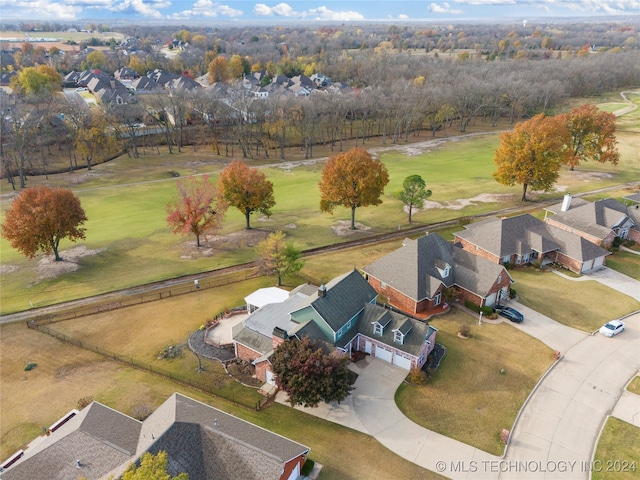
(560, 424)
(616, 280)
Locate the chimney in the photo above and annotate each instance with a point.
(279, 336)
(113, 84)
(322, 291)
(566, 203)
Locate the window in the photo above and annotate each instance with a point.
(446, 271)
(499, 278)
(518, 259)
(398, 337)
(437, 298)
(377, 329)
(383, 285)
(525, 259)
(506, 259)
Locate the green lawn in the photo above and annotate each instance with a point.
(468, 398)
(617, 456)
(558, 298)
(625, 262)
(634, 386)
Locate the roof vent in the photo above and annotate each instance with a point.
(322, 291)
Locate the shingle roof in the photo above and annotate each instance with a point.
(209, 444)
(345, 297)
(101, 438)
(595, 218)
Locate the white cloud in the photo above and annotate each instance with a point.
(207, 8)
(280, 10)
(444, 8)
(402, 16)
(24, 9)
(146, 9)
(323, 13)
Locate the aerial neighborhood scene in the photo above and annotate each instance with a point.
(320, 240)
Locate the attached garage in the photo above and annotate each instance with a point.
(271, 378)
(490, 300)
(402, 362)
(383, 354)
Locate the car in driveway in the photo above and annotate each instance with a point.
(612, 328)
(509, 313)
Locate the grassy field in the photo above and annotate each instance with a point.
(133, 245)
(634, 385)
(617, 456)
(625, 262)
(66, 374)
(556, 298)
(468, 398)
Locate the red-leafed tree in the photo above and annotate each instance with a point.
(592, 136)
(247, 189)
(42, 216)
(352, 179)
(309, 375)
(199, 208)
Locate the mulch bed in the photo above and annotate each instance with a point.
(243, 372)
(224, 353)
(435, 357)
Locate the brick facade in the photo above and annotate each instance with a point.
(290, 466)
(470, 247)
(261, 370)
(634, 235)
(359, 343)
(248, 355)
(603, 242)
(402, 301)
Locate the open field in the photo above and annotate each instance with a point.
(617, 455)
(66, 373)
(625, 262)
(125, 202)
(468, 398)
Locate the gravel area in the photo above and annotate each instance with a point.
(198, 345)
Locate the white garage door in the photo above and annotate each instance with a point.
(598, 262)
(586, 266)
(383, 354)
(490, 300)
(402, 362)
(271, 378)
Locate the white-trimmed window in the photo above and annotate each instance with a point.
(383, 285)
(499, 279)
(398, 337)
(377, 329)
(506, 259)
(437, 298)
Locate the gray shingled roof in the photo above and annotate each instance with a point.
(595, 218)
(575, 246)
(413, 340)
(345, 297)
(101, 438)
(209, 444)
(634, 198)
(574, 203)
(412, 268)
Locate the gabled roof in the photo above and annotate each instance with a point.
(521, 235)
(144, 83)
(416, 331)
(345, 297)
(634, 198)
(575, 246)
(595, 218)
(209, 444)
(474, 273)
(101, 438)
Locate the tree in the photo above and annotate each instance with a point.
(247, 189)
(532, 153)
(279, 257)
(152, 467)
(413, 192)
(217, 70)
(42, 216)
(352, 179)
(37, 80)
(94, 139)
(199, 209)
(592, 135)
(308, 375)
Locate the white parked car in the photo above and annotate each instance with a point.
(612, 328)
(81, 89)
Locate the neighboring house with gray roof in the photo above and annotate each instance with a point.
(414, 277)
(338, 316)
(200, 440)
(524, 239)
(599, 222)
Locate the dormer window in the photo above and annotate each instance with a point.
(398, 337)
(377, 329)
(444, 269)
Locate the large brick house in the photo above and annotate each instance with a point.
(342, 316)
(206, 443)
(414, 277)
(524, 239)
(600, 222)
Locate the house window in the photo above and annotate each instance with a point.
(383, 285)
(437, 298)
(506, 259)
(377, 329)
(398, 337)
(445, 274)
(500, 278)
(525, 258)
(518, 259)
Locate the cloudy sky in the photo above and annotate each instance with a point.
(308, 10)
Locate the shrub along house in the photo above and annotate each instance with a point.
(343, 317)
(524, 239)
(415, 277)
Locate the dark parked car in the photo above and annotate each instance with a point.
(510, 313)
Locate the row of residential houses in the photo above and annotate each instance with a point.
(344, 315)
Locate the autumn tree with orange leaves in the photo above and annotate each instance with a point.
(247, 189)
(352, 179)
(593, 136)
(199, 208)
(531, 155)
(42, 216)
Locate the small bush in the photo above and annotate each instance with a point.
(83, 402)
(30, 366)
(472, 306)
(508, 265)
(141, 412)
(513, 293)
(464, 330)
(417, 376)
(172, 351)
(307, 467)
